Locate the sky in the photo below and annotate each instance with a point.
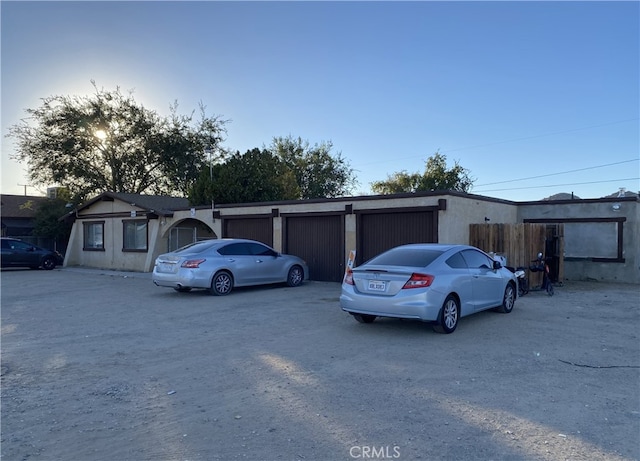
(532, 98)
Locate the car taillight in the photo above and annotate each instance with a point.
(192, 263)
(348, 277)
(419, 281)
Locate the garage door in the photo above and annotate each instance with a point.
(319, 240)
(260, 228)
(380, 230)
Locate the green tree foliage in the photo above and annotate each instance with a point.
(47, 220)
(435, 177)
(318, 172)
(109, 142)
(290, 169)
(256, 176)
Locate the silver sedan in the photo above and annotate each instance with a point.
(433, 283)
(220, 265)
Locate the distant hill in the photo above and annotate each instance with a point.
(627, 193)
(562, 196)
(569, 196)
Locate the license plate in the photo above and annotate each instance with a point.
(377, 285)
(166, 267)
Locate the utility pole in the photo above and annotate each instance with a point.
(209, 151)
(25, 188)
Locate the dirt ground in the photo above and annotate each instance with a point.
(106, 366)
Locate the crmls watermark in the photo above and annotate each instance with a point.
(367, 452)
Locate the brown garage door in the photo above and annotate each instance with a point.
(258, 228)
(319, 240)
(380, 230)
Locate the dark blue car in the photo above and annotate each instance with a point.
(16, 253)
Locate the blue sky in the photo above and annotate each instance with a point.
(510, 90)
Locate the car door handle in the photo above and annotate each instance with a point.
(230, 260)
(258, 260)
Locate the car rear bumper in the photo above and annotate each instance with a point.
(184, 278)
(421, 306)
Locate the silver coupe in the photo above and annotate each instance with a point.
(433, 283)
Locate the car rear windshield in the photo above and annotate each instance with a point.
(197, 247)
(410, 257)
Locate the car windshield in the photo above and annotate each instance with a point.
(410, 257)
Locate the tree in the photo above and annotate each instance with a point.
(398, 183)
(288, 170)
(318, 173)
(47, 221)
(435, 177)
(109, 142)
(256, 176)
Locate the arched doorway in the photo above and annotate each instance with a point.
(188, 231)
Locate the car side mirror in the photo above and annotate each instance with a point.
(496, 265)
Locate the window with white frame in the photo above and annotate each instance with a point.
(135, 235)
(93, 236)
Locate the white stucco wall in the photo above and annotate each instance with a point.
(591, 239)
(453, 223)
(453, 227)
(113, 213)
(113, 256)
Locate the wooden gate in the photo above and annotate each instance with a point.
(520, 244)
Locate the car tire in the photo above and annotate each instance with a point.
(449, 316)
(508, 300)
(183, 289)
(48, 263)
(221, 284)
(295, 276)
(364, 318)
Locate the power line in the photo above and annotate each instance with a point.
(542, 135)
(562, 172)
(559, 185)
(444, 151)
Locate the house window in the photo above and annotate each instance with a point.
(94, 236)
(135, 235)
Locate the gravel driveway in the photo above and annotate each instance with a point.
(106, 366)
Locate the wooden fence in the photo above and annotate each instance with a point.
(520, 243)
